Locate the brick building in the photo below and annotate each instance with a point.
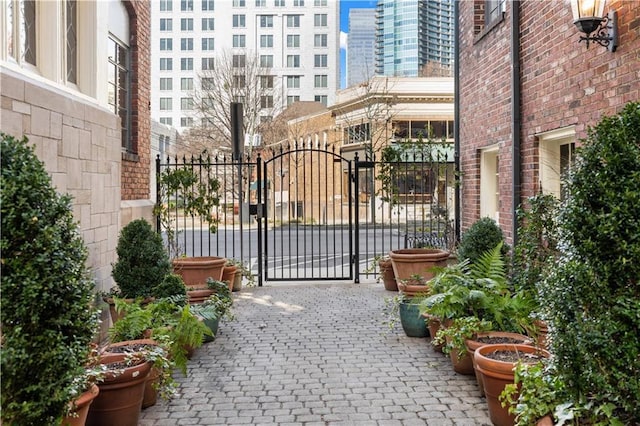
(79, 90)
(527, 92)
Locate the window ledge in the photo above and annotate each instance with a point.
(489, 28)
(130, 156)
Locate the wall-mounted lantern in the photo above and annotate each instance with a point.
(588, 16)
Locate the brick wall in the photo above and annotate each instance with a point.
(135, 168)
(562, 83)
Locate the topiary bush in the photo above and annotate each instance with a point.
(171, 285)
(593, 293)
(480, 238)
(142, 261)
(46, 307)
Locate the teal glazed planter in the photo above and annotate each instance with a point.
(413, 324)
(213, 326)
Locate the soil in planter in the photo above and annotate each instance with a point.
(512, 356)
(129, 349)
(490, 340)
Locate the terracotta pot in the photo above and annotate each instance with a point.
(545, 421)
(120, 399)
(542, 331)
(433, 324)
(81, 410)
(409, 289)
(462, 364)
(473, 344)
(150, 393)
(229, 275)
(409, 262)
(412, 322)
(388, 276)
(198, 296)
(497, 374)
(195, 270)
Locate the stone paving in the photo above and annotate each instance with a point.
(318, 354)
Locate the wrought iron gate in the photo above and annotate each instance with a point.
(312, 214)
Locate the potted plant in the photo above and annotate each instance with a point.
(45, 284)
(217, 307)
(482, 236)
(406, 309)
(242, 272)
(141, 266)
(197, 193)
(453, 337)
(229, 273)
(408, 263)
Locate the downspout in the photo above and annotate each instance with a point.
(515, 112)
(456, 117)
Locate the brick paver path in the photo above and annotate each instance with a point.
(317, 354)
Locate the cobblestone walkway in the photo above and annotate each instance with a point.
(317, 354)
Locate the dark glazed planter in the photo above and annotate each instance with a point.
(412, 322)
(497, 374)
(120, 399)
(388, 276)
(195, 270)
(81, 410)
(213, 326)
(409, 262)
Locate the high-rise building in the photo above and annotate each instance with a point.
(361, 43)
(414, 35)
(296, 40)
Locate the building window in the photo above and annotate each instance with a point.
(166, 44)
(293, 21)
(320, 81)
(119, 88)
(208, 24)
(261, 3)
(266, 41)
(186, 24)
(186, 5)
(493, 11)
(186, 83)
(266, 81)
(186, 64)
(293, 40)
(320, 20)
(208, 63)
(321, 98)
(266, 21)
(266, 101)
(186, 121)
(293, 61)
(556, 156)
(278, 3)
(320, 40)
(239, 40)
(186, 44)
(207, 43)
(208, 83)
(319, 3)
(320, 61)
(298, 3)
(168, 121)
(489, 184)
(166, 5)
(166, 64)
(292, 99)
(239, 61)
(166, 104)
(239, 81)
(293, 81)
(239, 3)
(71, 40)
(166, 83)
(266, 61)
(186, 104)
(207, 5)
(166, 24)
(239, 21)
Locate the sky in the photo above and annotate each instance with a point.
(345, 6)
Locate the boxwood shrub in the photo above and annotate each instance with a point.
(481, 237)
(46, 306)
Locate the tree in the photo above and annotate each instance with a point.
(237, 77)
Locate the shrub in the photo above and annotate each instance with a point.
(47, 318)
(171, 285)
(593, 297)
(480, 238)
(142, 261)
